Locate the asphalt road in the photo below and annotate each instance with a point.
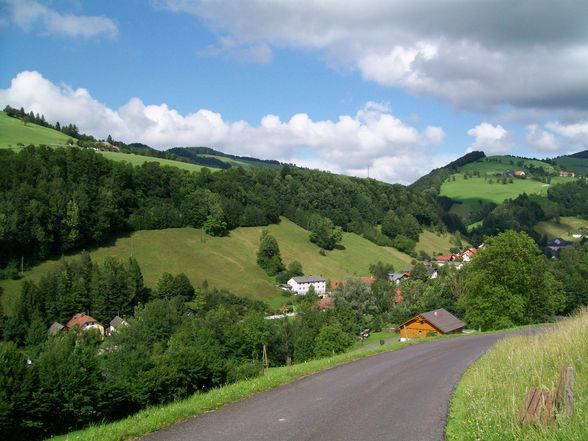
(400, 395)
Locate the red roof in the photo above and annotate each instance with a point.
(325, 302)
(335, 284)
(398, 297)
(444, 258)
(80, 320)
(368, 280)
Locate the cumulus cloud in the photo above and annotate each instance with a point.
(474, 55)
(542, 140)
(372, 138)
(29, 14)
(493, 140)
(576, 133)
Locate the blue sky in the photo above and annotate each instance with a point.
(399, 87)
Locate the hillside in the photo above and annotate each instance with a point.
(14, 132)
(577, 162)
(206, 155)
(563, 229)
(230, 262)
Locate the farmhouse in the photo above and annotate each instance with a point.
(519, 174)
(300, 285)
(567, 174)
(398, 277)
(554, 246)
(85, 322)
(439, 321)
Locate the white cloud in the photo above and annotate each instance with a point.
(255, 53)
(29, 14)
(542, 140)
(492, 140)
(576, 133)
(474, 55)
(373, 137)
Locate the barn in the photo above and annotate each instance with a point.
(439, 321)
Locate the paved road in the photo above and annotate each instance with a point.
(401, 395)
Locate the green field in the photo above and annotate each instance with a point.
(578, 165)
(13, 131)
(230, 262)
(499, 164)
(139, 160)
(435, 243)
(563, 229)
(473, 190)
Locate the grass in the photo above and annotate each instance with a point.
(158, 417)
(229, 262)
(473, 190)
(435, 243)
(564, 228)
(137, 160)
(13, 131)
(578, 165)
(486, 402)
(499, 164)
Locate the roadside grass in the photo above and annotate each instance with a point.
(563, 229)
(14, 131)
(159, 417)
(487, 400)
(227, 262)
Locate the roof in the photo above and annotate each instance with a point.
(558, 242)
(444, 258)
(443, 320)
(396, 276)
(308, 279)
(117, 321)
(325, 302)
(80, 320)
(368, 280)
(55, 328)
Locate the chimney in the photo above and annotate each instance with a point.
(435, 313)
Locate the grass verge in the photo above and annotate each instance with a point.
(487, 400)
(158, 417)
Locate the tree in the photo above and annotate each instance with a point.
(331, 340)
(324, 233)
(268, 254)
(507, 283)
(380, 270)
(419, 272)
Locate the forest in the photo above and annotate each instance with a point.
(57, 200)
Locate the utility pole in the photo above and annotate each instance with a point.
(265, 360)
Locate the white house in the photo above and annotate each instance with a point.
(300, 285)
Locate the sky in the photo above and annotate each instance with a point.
(380, 88)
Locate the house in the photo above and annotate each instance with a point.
(116, 323)
(433, 273)
(454, 260)
(55, 328)
(468, 254)
(301, 284)
(519, 174)
(567, 174)
(439, 321)
(398, 277)
(554, 246)
(85, 322)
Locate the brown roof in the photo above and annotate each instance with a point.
(443, 320)
(80, 320)
(325, 302)
(368, 280)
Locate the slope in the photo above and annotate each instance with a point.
(230, 262)
(14, 132)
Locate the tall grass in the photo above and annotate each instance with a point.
(486, 402)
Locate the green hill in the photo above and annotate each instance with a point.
(563, 229)
(14, 134)
(578, 162)
(230, 262)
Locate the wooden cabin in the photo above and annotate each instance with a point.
(439, 321)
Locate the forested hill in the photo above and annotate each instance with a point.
(432, 181)
(55, 200)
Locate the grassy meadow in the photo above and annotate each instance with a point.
(137, 160)
(563, 229)
(230, 262)
(487, 401)
(434, 243)
(13, 131)
(499, 164)
(473, 190)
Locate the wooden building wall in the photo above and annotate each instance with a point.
(418, 327)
